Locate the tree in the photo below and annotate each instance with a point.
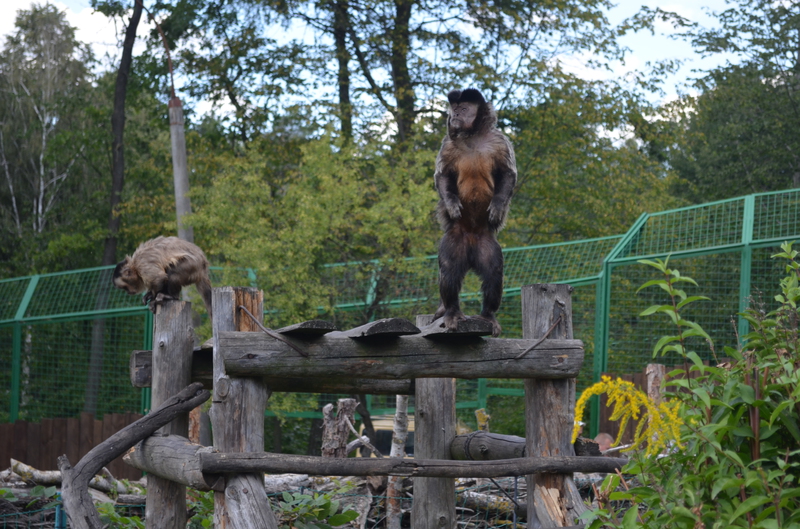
(45, 86)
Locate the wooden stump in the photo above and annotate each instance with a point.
(173, 341)
(553, 499)
(434, 504)
(237, 416)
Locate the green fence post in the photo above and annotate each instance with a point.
(745, 273)
(16, 353)
(147, 344)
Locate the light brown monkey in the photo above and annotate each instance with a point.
(475, 176)
(161, 266)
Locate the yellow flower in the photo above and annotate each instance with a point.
(659, 424)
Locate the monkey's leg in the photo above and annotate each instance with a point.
(453, 266)
(488, 263)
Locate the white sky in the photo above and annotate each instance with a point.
(101, 33)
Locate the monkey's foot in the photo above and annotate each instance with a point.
(439, 312)
(496, 328)
(161, 297)
(451, 319)
(147, 298)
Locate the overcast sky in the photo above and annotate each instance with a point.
(101, 33)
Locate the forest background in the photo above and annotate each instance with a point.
(319, 149)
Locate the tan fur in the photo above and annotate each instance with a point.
(148, 267)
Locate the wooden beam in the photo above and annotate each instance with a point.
(237, 415)
(309, 328)
(172, 367)
(470, 327)
(174, 458)
(232, 463)
(141, 365)
(258, 355)
(385, 328)
(485, 446)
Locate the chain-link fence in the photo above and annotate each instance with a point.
(65, 338)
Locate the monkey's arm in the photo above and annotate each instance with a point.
(446, 181)
(505, 178)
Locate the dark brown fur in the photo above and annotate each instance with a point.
(475, 176)
(161, 267)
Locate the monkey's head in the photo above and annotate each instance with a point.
(469, 113)
(126, 278)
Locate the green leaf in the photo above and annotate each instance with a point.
(748, 505)
(747, 393)
(692, 299)
(342, 518)
(629, 520)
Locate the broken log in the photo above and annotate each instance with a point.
(234, 462)
(141, 367)
(257, 355)
(75, 487)
(485, 446)
(99, 482)
(173, 458)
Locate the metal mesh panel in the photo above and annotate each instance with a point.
(79, 291)
(765, 276)
(556, 262)
(6, 351)
(777, 215)
(632, 338)
(55, 366)
(694, 228)
(11, 294)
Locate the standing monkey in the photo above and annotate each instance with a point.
(161, 266)
(475, 176)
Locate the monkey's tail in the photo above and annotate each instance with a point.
(204, 288)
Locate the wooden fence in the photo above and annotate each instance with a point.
(39, 444)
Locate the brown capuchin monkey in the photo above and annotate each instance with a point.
(161, 266)
(475, 176)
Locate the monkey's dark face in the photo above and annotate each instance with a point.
(126, 279)
(462, 117)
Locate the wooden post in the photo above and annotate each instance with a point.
(434, 504)
(237, 416)
(173, 341)
(553, 499)
(180, 171)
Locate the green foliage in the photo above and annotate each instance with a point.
(48, 494)
(741, 463)
(110, 516)
(313, 511)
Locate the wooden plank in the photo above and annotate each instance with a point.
(550, 410)
(73, 439)
(34, 443)
(231, 463)
(173, 340)
(47, 436)
(86, 440)
(309, 328)
(55, 446)
(385, 328)
(19, 450)
(472, 326)
(258, 355)
(6, 435)
(237, 414)
(97, 432)
(202, 371)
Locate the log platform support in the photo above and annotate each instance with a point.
(237, 416)
(549, 411)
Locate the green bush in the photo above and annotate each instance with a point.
(740, 461)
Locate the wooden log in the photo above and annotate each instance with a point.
(237, 414)
(75, 481)
(54, 477)
(394, 485)
(550, 410)
(231, 463)
(434, 429)
(335, 430)
(309, 328)
(485, 446)
(173, 458)
(258, 355)
(141, 366)
(173, 339)
(468, 327)
(385, 328)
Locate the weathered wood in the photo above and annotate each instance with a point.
(309, 328)
(202, 371)
(469, 327)
(54, 477)
(385, 328)
(173, 339)
(231, 463)
(335, 430)
(257, 355)
(485, 446)
(75, 489)
(173, 458)
(434, 430)
(394, 485)
(549, 410)
(237, 414)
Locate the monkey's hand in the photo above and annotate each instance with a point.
(147, 298)
(496, 213)
(453, 208)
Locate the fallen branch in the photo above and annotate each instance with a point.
(78, 503)
(103, 481)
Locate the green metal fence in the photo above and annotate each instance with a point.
(59, 332)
